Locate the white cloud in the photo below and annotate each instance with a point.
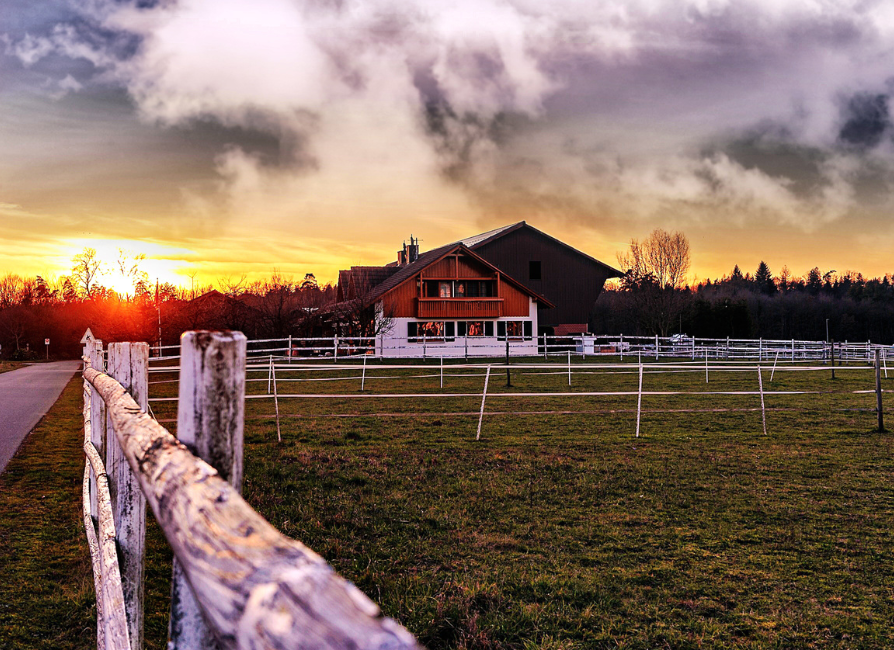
(642, 87)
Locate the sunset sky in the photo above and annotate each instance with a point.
(227, 138)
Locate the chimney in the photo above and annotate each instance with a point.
(410, 253)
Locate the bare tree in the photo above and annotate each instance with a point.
(655, 274)
(662, 256)
(86, 268)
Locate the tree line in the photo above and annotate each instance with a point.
(654, 298)
(33, 309)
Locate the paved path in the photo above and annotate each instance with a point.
(25, 395)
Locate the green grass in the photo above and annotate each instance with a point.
(46, 592)
(552, 531)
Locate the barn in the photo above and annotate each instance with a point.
(568, 278)
(447, 302)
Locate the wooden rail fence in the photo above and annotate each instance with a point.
(237, 582)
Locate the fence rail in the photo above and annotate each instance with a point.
(339, 348)
(253, 587)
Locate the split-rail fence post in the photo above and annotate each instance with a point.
(93, 351)
(128, 363)
(210, 416)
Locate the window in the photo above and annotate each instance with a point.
(534, 272)
(460, 290)
(515, 329)
(445, 290)
(431, 331)
(475, 328)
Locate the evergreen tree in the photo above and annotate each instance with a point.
(763, 279)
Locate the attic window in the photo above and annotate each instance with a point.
(534, 270)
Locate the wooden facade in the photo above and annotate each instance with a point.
(454, 274)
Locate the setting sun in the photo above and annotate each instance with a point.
(159, 263)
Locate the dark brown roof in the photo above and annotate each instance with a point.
(476, 241)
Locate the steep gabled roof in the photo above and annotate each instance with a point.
(428, 258)
(477, 241)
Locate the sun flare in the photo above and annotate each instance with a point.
(160, 263)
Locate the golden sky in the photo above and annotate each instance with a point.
(222, 138)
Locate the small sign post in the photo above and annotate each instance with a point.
(46, 342)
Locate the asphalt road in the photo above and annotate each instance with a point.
(25, 395)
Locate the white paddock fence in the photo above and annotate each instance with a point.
(237, 582)
(349, 380)
(340, 348)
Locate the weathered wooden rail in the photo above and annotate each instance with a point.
(237, 582)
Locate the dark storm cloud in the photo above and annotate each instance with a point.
(867, 120)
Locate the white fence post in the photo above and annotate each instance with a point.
(621, 347)
(760, 383)
(773, 372)
(442, 371)
(128, 363)
(210, 416)
(569, 367)
(97, 418)
(656, 347)
(483, 398)
(639, 398)
(363, 375)
(335, 349)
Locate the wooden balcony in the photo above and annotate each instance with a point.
(460, 308)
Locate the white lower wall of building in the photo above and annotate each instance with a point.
(395, 342)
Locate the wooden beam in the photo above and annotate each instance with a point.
(210, 417)
(128, 363)
(257, 588)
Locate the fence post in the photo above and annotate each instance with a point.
(639, 397)
(656, 347)
(878, 393)
(275, 401)
(334, 349)
(760, 349)
(545, 351)
(760, 383)
(508, 377)
(483, 397)
(621, 347)
(290, 348)
(832, 352)
(363, 376)
(128, 363)
(210, 418)
(569, 367)
(97, 419)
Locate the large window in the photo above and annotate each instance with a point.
(475, 328)
(436, 330)
(515, 329)
(459, 289)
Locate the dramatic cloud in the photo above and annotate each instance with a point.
(594, 114)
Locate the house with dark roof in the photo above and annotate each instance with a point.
(449, 301)
(568, 278)
(469, 296)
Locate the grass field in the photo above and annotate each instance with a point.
(557, 529)
(561, 530)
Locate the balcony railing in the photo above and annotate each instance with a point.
(460, 308)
